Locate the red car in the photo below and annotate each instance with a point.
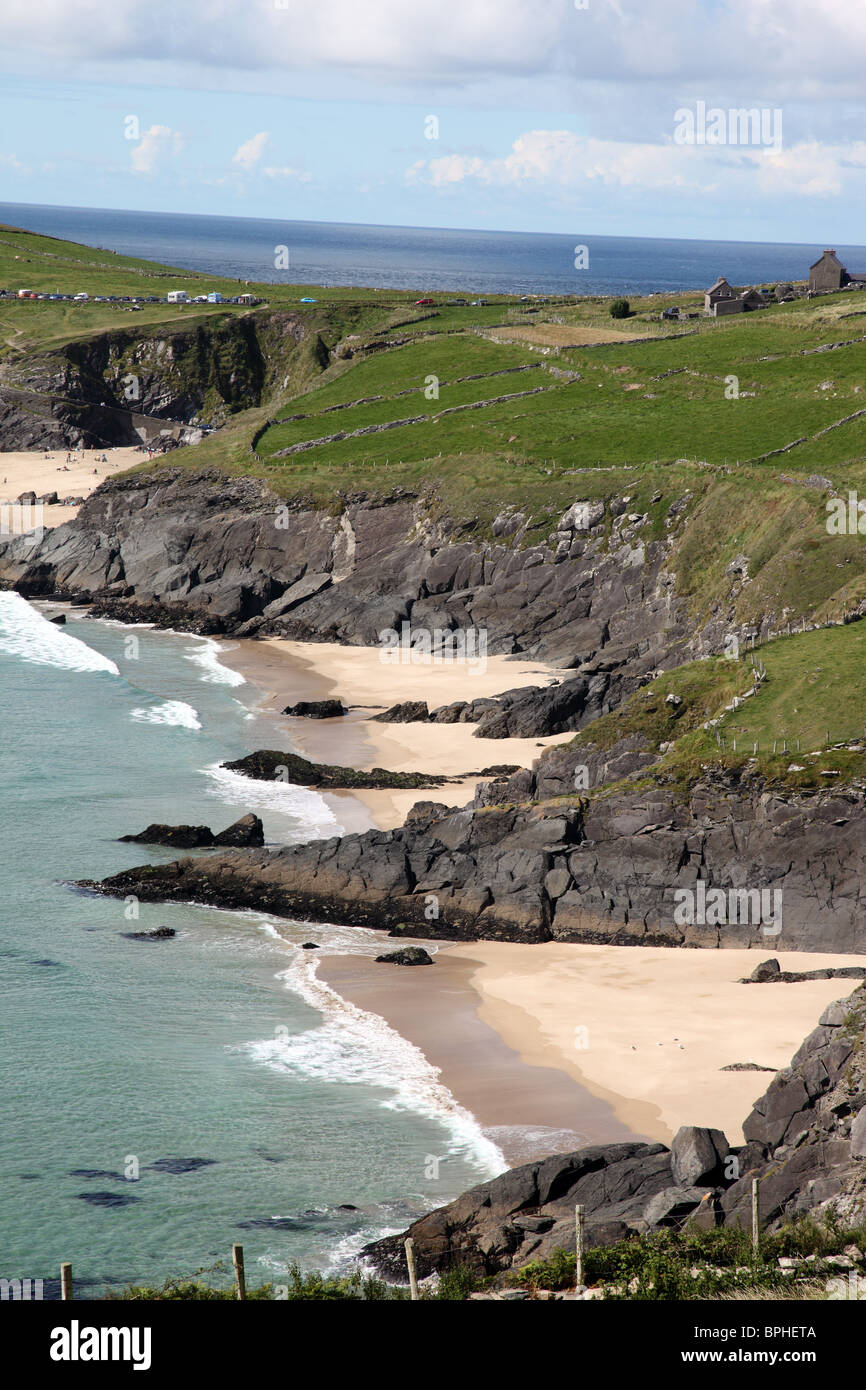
(424, 301)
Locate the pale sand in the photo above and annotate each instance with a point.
(292, 671)
(24, 471)
(538, 997)
(528, 1109)
(499, 1019)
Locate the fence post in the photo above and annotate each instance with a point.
(238, 1262)
(66, 1282)
(409, 1247)
(579, 1212)
(756, 1217)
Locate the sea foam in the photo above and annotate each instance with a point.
(317, 820)
(352, 1046)
(206, 655)
(174, 712)
(25, 633)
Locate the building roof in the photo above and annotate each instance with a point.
(823, 256)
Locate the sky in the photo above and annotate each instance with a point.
(611, 117)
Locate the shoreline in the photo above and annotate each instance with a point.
(500, 1020)
(44, 471)
(528, 1109)
(568, 1038)
(290, 671)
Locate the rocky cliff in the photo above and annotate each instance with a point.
(806, 1146)
(117, 387)
(227, 555)
(573, 869)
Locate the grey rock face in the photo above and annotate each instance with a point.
(697, 1155)
(625, 1188)
(807, 1133)
(225, 554)
(569, 871)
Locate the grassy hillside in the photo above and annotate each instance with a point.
(747, 418)
(801, 725)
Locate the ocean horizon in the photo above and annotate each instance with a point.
(335, 254)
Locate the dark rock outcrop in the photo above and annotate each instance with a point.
(316, 709)
(770, 972)
(804, 1135)
(806, 1145)
(576, 869)
(248, 832)
(528, 1212)
(269, 765)
(224, 554)
(175, 836)
(158, 934)
(698, 1155)
(408, 712)
(406, 955)
(77, 394)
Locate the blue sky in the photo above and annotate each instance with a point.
(546, 115)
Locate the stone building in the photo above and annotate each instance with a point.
(721, 298)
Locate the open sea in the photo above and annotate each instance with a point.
(425, 258)
(252, 1102)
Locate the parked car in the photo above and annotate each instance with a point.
(424, 302)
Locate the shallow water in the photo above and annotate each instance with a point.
(318, 1120)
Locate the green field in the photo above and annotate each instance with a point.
(689, 410)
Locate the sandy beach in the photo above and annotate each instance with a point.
(642, 1033)
(290, 671)
(527, 1109)
(45, 471)
(649, 1029)
(555, 1045)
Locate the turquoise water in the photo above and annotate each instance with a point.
(220, 1044)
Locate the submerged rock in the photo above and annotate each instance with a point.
(107, 1199)
(180, 1165)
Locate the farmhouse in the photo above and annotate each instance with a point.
(829, 274)
(722, 298)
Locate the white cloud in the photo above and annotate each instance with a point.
(285, 171)
(250, 152)
(560, 160)
(155, 145)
